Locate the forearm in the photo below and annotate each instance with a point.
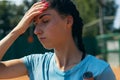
(22, 26)
(7, 41)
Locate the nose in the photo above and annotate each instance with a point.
(38, 30)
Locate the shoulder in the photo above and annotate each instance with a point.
(95, 62)
(95, 65)
(35, 62)
(36, 58)
(99, 68)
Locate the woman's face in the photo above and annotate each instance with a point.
(51, 29)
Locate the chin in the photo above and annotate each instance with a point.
(48, 47)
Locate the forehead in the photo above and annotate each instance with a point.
(48, 12)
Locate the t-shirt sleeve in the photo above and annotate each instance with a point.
(107, 74)
(30, 62)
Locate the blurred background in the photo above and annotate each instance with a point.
(101, 33)
(100, 37)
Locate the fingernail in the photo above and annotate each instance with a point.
(46, 5)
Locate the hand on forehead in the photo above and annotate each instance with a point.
(43, 7)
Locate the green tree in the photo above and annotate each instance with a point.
(88, 9)
(10, 15)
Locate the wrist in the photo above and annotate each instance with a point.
(16, 33)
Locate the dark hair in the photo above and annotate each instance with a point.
(67, 7)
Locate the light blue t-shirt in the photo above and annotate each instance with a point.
(43, 67)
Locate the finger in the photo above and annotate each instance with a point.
(40, 3)
(43, 1)
(37, 10)
(41, 8)
(34, 14)
(37, 3)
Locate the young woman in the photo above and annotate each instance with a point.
(58, 26)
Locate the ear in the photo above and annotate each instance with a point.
(69, 21)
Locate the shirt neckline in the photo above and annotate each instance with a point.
(71, 70)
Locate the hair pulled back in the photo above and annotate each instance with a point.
(67, 7)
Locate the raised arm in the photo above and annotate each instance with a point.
(6, 42)
(15, 68)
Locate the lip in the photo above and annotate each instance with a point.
(42, 38)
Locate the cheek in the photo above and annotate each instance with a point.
(51, 30)
(55, 27)
(56, 30)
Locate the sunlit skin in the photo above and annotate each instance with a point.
(54, 21)
(53, 30)
(7, 67)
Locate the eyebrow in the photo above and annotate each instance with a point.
(43, 15)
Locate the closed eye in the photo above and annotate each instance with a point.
(45, 21)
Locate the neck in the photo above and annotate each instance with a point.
(67, 56)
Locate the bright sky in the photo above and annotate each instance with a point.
(117, 2)
(15, 1)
